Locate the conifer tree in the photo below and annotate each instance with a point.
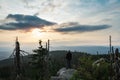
(39, 62)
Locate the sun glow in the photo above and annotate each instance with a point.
(36, 32)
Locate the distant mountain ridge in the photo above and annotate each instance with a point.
(87, 49)
(57, 55)
(4, 55)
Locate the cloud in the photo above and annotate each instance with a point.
(27, 22)
(51, 5)
(38, 4)
(76, 27)
(23, 22)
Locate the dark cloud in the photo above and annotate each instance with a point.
(24, 22)
(75, 27)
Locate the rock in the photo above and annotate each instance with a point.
(64, 74)
(56, 78)
(62, 70)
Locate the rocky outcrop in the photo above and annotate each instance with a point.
(64, 74)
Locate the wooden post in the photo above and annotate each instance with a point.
(110, 53)
(110, 42)
(117, 73)
(17, 60)
(48, 45)
(17, 55)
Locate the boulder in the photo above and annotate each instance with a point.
(64, 74)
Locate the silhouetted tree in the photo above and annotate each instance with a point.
(39, 62)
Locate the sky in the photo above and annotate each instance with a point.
(63, 22)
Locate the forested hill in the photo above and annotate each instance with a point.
(56, 55)
(80, 61)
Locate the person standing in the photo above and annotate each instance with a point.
(68, 58)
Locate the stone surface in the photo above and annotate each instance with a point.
(64, 74)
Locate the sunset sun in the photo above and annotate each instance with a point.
(36, 32)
